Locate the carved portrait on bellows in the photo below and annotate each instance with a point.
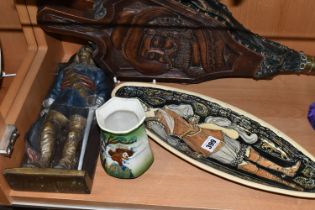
(172, 40)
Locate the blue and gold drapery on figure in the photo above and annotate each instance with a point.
(55, 139)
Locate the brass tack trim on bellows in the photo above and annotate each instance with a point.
(310, 64)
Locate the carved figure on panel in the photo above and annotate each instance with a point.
(215, 144)
(176, 40)
(223, 140)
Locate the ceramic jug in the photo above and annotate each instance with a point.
(125, 149)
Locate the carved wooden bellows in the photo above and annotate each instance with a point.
(171, 40)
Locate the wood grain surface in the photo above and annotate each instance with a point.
(9, 16)
(276, 18)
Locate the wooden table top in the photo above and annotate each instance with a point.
(171, 182)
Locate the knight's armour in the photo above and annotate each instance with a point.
(74, 79)
(76, 83)
(79, 85)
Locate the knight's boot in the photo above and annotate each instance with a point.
(254, 156)
(76, 129)
(253, 169)
(53, 124)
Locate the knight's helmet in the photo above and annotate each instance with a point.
(84, 55)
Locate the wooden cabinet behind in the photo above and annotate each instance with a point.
(291, 22)
(14, 48)
(26, 53)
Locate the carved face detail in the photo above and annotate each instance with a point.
(169, 42)
(164, 46)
